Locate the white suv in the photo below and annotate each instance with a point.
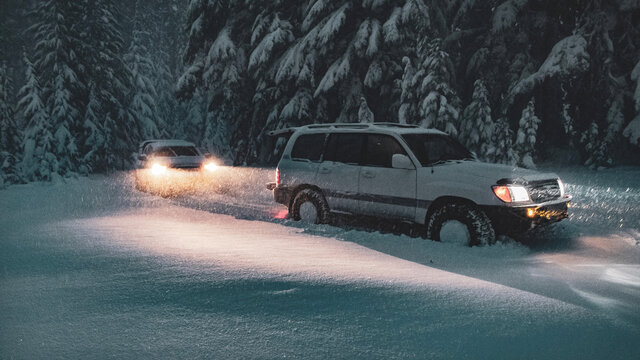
(412, 174)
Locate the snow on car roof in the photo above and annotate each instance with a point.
(382, 127)
(165, 142)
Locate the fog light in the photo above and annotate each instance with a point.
(531, 212)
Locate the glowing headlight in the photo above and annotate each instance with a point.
(511, 193)
(157, 169)
(210, 166)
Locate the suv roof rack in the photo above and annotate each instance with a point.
(283, 131)
(168, 141)
(392, 124)
(360, 125)
(291, 130)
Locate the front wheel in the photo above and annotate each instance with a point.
(309, 206)
(460, 223)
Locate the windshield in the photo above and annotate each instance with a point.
(171, 151)
(431, 149)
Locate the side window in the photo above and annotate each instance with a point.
(308, 147)
(380, 150)
(345, 148)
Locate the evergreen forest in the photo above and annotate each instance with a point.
(521, 82)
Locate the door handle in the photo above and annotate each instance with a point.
(324, 170)
(368, 174)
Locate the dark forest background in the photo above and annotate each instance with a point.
(82, 82)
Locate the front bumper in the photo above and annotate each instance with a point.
(519, 218)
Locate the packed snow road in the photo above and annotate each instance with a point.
(95, 269)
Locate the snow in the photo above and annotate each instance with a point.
(506, 13)
(336, 72)
(313, 14)
(279, 34)
(92, 268)
(390, 27)
(568, 57)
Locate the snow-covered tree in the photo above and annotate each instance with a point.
(527, 133)
(592, 145)
(192, 123)
(93, 135)
(38, 161)
(427, 90)
(365, 115)
(102, 53)
(599, 149)
(477, 128)
(56, 58)
(632, 131)
(143, 94)
(503, 150)
(9, 135)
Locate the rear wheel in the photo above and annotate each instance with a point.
(309, 206)
(460, 223)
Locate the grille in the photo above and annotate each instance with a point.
(544, 190)
(188, 167)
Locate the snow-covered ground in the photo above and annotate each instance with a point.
(94, 269)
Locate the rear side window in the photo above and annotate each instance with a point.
(345, 148)
(380, 150)
(308, 147)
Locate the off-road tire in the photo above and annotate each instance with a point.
(313, 197)
(481, 231)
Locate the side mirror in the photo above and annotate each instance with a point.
(401, 161)
(474, 155)
(142, 157)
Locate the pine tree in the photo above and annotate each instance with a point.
(365, 115)
(427, 90)
(503, 150)
(38, 160)
(602, 156)
(103, 46)
(143, 101)
(592, 145)
(632, 131)
(477, 128)
(56, 48)
(93, 136)
(527, 132)
(9, 136)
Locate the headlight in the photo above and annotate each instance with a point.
(511, 193)
(158, 169)
(210, 166)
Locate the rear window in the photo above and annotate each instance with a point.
(308, 147)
